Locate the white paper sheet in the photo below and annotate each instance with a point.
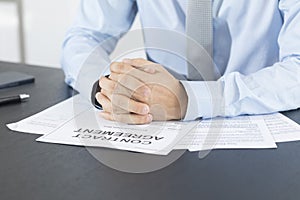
(282, 128)
(59, 122)
(88, 129)
(229, 133)
(50, 119)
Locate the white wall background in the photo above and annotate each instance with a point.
(8, 32)
(45, 26)
(45, 23)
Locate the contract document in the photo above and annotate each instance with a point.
(88, 129)
(282, 128)
(76, 122)
(229, 133)
(51, 118)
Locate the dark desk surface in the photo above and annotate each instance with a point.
(32, 170)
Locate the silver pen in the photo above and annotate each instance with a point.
(14, 99)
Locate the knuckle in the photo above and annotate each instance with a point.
(117, 67)
(113, 65)
(121, 67)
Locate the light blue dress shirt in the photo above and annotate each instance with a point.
(256, 49)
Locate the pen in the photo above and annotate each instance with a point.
(14, 99)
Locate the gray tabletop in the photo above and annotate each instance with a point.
(32, 170)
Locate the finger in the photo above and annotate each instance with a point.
(109, 87)
(104, 102)
(107, 84)
(161, 75)
(145, 65)
(120, 67)
(137, 62)
(114, 76)
(130, 105)
(124, 68)
(121, 90)
(127, 118)
(106, 93)
(107, 105)
(138, 89)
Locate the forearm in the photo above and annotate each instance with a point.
(77, 50)
(272, 89)
(84, 60)
(94, 34)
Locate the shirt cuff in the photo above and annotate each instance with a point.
(205, 99)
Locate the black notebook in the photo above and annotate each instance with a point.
(11, 79)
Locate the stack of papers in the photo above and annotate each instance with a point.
(76, 122)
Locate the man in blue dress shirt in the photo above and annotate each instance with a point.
(256, 50)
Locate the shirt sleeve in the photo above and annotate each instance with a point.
(272, 89)
(93, 36)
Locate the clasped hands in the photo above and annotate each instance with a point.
(139, 91)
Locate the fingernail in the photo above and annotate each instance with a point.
(145, 110)
(126, 60)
